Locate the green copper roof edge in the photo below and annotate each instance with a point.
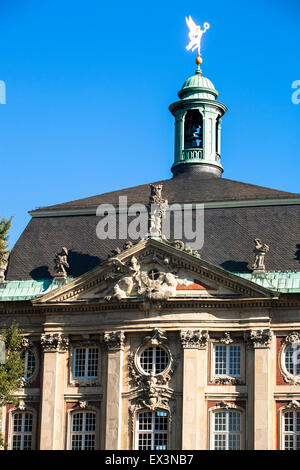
(207, 205)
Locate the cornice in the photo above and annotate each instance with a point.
(207, 205)
(135, 305)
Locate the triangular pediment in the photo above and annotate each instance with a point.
(152, 271)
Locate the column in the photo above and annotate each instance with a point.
(179, 135)
(53, 409)
(259, 395)
(114, 343)
(194, 412)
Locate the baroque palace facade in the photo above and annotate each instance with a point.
(150, 344)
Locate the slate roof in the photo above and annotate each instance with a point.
(229, 232)
(183, 188)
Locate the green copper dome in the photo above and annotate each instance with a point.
(198, 86)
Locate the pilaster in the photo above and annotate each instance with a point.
(114, 344)
(53, 410)
(259, 388)
(194, 343)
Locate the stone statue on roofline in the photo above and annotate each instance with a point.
(260, 251)
(157, 208)
(61, 263)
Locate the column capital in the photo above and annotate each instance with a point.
(54, 342)
(194, 339)
(114, 340)
(258, 339)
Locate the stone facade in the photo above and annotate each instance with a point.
(92, 357)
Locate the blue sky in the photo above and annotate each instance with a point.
(89, 85)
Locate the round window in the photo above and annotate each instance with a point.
(30, 363)
(154, 359)
(292, 359)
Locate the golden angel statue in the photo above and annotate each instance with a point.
(195, 34)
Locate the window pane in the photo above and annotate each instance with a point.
(234, 442)
(288, 442)
(145, 421)
(220, 421)
(92, 362)
(144, 441)
(235, 360)
(16, 443)
(220, 360)
(27, 422)
(234, 421)
(292, 359)
(152, 430)
(17, 427)
(77, 422)
(27, 442)
(89, 443)
(79, 362)
(160, 441)
(76, 442)
(146, 360)
(220, 442)
(288, 422)
(227, 430)
(162, 360)
(90, 422)
(154, 359)
(161, 422)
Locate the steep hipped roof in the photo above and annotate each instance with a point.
(182, 189)
(235, 214)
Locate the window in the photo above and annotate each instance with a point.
(83, 430)
(154, 360)
(291, 430)
(22, 431)
(292, 359)
(85, 365)
(152, 430)
(30, 363)
(227, 360)
(226, 430)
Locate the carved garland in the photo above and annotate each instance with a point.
(114, 340)
(258, 338)
(194, 339)
(153, 391)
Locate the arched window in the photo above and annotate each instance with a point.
(291, 430)
(22, 431)
(154, 359)
(226, 430)
(152, 430)
(29, 359)
(193, 129)
(83, 430)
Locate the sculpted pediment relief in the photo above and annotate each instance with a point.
(152, 272)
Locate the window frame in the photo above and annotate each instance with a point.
(84, 380)
(26, 351)
(11, 432)
(288, 377)
(89, 409)
(213, 376)
(138, 432)
(233, 409)
(281, 428)
(148, 346)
